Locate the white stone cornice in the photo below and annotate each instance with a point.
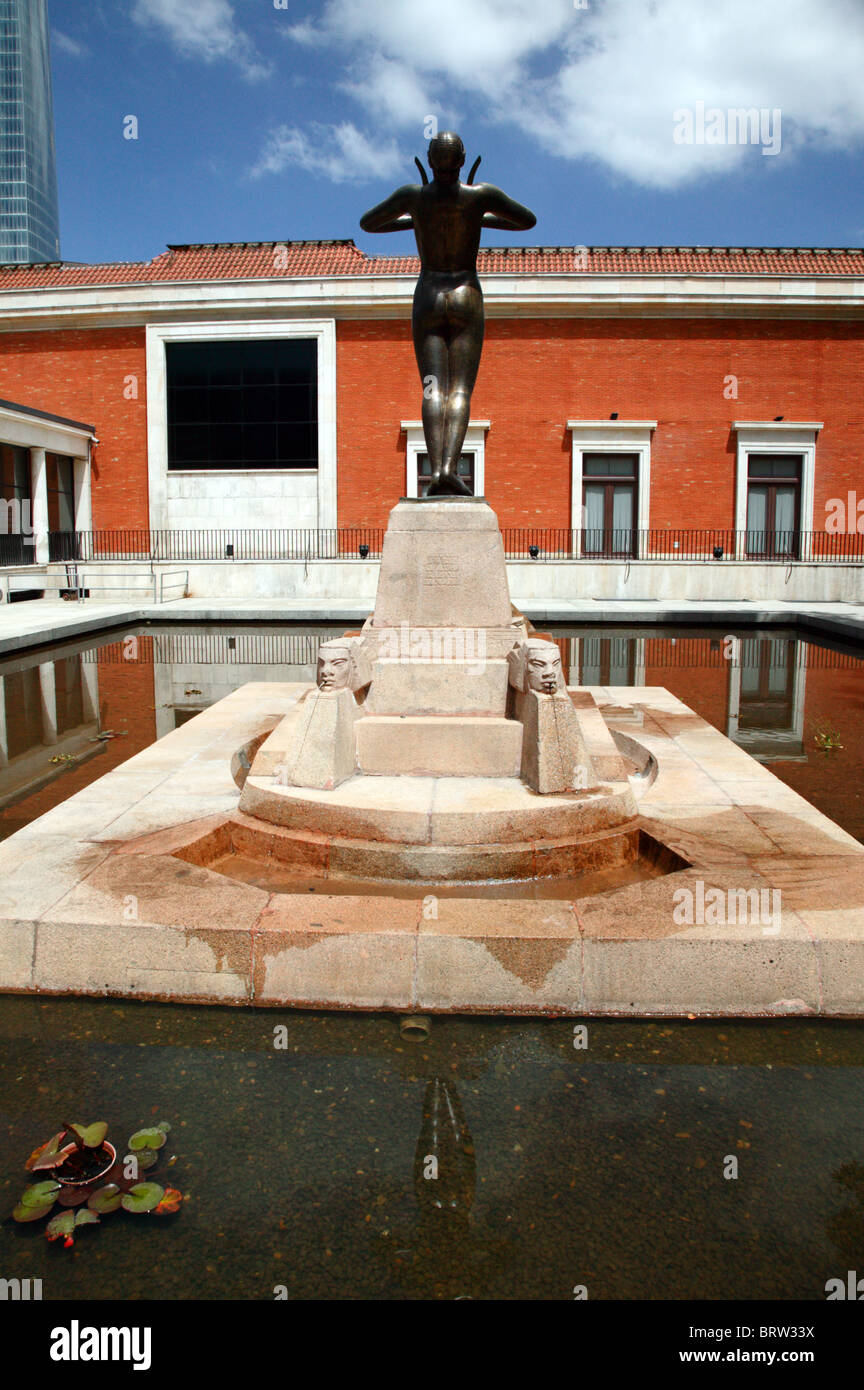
(31, 431)
(389, 296)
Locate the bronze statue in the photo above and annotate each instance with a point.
(447, 319)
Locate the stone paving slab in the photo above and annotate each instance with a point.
(104, 896)
(43, 621)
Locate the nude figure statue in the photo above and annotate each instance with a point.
(447, 320)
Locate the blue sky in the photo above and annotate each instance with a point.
(281, 119)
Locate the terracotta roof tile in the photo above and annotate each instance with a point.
(313, 259)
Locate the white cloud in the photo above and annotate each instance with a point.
(603, 82)
(204, 29)
(390, 90)
(64, 43)
(341, 153)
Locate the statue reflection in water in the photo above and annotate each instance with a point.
(443, 1258)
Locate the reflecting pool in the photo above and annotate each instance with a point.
(304, 1147)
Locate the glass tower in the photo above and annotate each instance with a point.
(29, 220)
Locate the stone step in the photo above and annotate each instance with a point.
(429, 687)
(438, 746)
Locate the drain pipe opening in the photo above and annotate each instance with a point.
(414, 1027)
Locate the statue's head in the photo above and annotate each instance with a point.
(343, 664)
(335, 666)
(536, 665)
(446, 156)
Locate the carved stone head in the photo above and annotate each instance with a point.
(342, 665)
(334, 666)
(536, 665)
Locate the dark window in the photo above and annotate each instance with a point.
(243, 404)
(607, 661)
(767, 684)
(16, 540)
(22, 693)
(773, 505)
(60, 479)
(464, 470)
(69, 695)
(609, 502)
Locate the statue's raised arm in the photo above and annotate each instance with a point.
(394, 214)
(447, 217)
(504, 212)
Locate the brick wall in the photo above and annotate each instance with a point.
(82, 374)
(536, 374)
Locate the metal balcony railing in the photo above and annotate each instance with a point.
(538, 543)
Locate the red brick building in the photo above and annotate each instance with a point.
(274, 385)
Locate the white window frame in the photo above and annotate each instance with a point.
(611, 437)
(475, 443)
(774, 437)
(324, 330)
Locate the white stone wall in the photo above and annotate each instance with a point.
(209, 501)
(530, 581)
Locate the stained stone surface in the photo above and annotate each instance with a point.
(111, 893)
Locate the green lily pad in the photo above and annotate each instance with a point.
(148, 1139)
(144, 1196)
(91, 1136)
(144, 1159)
(22, 1213)
(61, 1225)
(86, 1217)
(40, 1193)
(105, 1199)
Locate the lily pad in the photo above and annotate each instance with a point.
(148, 1139)
(22, 1213)
(39, 1193)
(139, 1162)
(65, 1223)
(144, 1196)
(49, 1155)
(91, 1136)
(73, 1196)
(105, 1199)
(61, 1225)
(170, 1202)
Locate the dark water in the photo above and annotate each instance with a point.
(601, 1167)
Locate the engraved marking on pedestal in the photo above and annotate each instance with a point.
(442, 571)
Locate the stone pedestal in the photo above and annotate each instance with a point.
(314, 745)
(554, 755)
(433, 746)
(442, 565)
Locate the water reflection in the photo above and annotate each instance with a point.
(70, 713)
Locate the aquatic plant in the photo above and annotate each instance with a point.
(825, 736)
(88, 1181)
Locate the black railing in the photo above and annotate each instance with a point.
(16, 550)
(536, 543)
